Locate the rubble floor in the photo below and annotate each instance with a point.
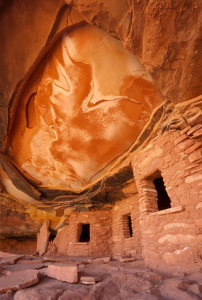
(119, 280)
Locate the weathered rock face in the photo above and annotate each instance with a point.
(112, 88)
(75, 113)
(82, 109)
(18, 219)
(164, 35)
(27, 25)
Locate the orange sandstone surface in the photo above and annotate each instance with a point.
(83, 106)
(104, 120)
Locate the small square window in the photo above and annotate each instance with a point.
(84, 233)
(155, 195)
(163, 201)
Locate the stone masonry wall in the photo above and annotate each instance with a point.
(67, 239)
(109, 230)
(172, 236)
(123, 244)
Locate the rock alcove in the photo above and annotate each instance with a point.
(100, 144)
(84, 105)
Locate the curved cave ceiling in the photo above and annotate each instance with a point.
(84, 105)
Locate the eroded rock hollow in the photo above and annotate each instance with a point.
(101, 147)
(82, 109)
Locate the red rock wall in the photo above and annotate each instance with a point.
(172, 236)
(67, 240)
(165, 35)
(123, 245)
(24, 29)
(18, 245)
(74, 107)
(168, 238)
(106, 231)
(153, 31)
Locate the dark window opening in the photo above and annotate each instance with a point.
(127, 226)
(85, 233)
(52, 235)
(164, 201)
(130, 226)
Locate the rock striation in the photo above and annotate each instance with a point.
(153, 31)
(43, 122)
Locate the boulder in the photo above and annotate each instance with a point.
(68, 273)
(43, 238)
(11, 260)
(18, 280)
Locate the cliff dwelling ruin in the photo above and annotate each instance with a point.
(100, 149)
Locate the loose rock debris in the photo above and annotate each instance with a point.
(93, 278)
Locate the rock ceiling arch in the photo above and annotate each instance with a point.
(83, 106)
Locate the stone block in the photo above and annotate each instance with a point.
(168, 211)
(193, 116)
(43, 238)
(154, 155)
(198, 134)
(199, 205)
(179, 256)
(186, 144)
(186, 226)
(68, 273)
(198, 223)
(177, 238)
(89, 279)
(193, 129)
(183, 131)
(18, 280)
(148, 232)
(196, 155)
(193, 148)
(11, 260)
(152, 190)
(127, 259)
(193, 178)
(181, 139)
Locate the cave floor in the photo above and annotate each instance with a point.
(118, 280)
